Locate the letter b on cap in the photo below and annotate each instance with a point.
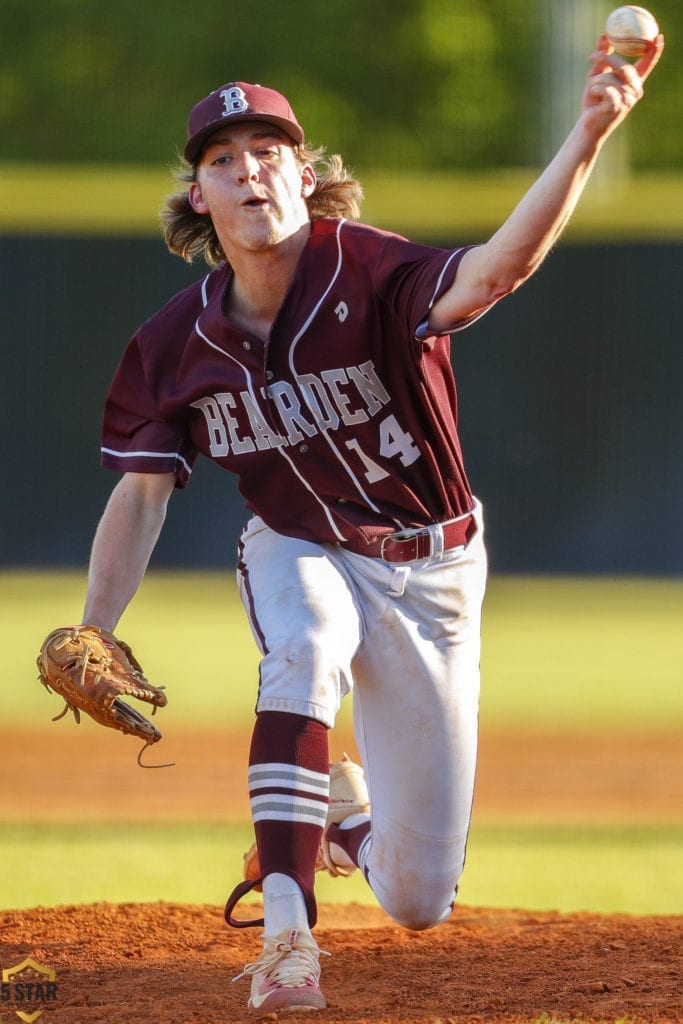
(234, 101)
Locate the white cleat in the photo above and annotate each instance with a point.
(287, 974)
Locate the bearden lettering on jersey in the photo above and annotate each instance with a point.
(344, 396)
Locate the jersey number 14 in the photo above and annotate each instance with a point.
(393, 441)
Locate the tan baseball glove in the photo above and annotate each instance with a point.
(91, 669)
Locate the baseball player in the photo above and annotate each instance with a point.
(313, 362)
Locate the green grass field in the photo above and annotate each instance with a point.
(623, 870)
(592, 654)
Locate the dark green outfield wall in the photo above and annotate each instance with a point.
(571, 403)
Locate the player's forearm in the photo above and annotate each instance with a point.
(122, 547)
(489, 272)
(521, 244)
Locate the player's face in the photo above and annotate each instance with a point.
(253, 187)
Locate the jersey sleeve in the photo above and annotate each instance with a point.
(135, 436)
(412, 277)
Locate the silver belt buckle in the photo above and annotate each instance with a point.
(401, 536)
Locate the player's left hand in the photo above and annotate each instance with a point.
(615, 85)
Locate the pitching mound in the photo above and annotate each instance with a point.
(173, 964)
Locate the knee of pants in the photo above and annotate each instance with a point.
(417, 911)
(302, 677)
(414, 877)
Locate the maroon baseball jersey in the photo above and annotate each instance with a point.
(342, 425)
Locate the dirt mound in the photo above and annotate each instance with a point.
(166, 963)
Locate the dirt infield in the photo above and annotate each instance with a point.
(64, 773)
(164, 963)
(173, 964)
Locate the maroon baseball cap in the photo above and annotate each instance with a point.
(238, 101)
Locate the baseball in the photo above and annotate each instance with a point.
(630, 29)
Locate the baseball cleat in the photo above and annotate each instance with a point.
(348, 795)
(348, 792)
(287, 974)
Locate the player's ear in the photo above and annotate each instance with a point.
(197, 199)
(308, 180)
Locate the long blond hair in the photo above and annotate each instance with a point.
(191, 235)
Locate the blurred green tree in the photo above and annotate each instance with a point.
(433, 84)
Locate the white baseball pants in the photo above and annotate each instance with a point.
(406, 640)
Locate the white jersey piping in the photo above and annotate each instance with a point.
(148, 455)
(321, 427)
(422, 330)
(443, 274)
(250, 387)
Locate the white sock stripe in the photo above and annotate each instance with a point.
(287, 807)
(287, 776)
(301, 816)
(288, 800)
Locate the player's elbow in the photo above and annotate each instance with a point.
(484, 277)
(502, 269)
(504, 277)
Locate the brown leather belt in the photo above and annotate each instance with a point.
(412, 545)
